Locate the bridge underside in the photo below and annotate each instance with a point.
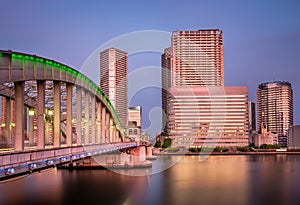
(75, 117)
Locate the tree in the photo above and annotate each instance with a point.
(167, 142)
(157, 144)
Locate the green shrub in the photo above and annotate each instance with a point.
(220, 149)
(195, 149)
(157, 144)
(167, 143)
(270, 146)
(244, 149)
(172, 149)
(207, 149)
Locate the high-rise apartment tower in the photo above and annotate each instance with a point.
(198, 58)
(114, 80)
(275, 108)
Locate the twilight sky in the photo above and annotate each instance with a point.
(261, 38)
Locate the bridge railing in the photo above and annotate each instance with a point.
(19, 162)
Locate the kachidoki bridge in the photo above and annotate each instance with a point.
(52, 114)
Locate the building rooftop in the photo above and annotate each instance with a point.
(274, 84)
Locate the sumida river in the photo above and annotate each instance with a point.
(182, 180)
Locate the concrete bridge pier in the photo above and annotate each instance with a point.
(149, 151)
(103, 125)
(98, 123)
(57, 114)
(86, 117)
(69, 116)
(107, 126)
(19, 116)
(139, 154)
(40, 115)
(78, 115)
(93, 120)
(8, 122)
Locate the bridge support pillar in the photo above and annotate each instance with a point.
(8, 121)
(19, 116)
(111, 136)
(114, 133)
(47, 133)
(107, 128)
(140, 153)
(93, 120)
(69, 112)
(149, 151)
(56, 120)
(103, 125)
(98, 137)
(40, 115)
(86, 117)
(78, 114)
(118, 136)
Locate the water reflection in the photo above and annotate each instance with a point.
(264, 179)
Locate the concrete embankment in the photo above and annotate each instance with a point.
(110, 161)
(228, 153)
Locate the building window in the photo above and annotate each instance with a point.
(135, 132)
(130, 131)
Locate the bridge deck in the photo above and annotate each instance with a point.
(14, 163)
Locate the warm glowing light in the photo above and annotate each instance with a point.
(50, 112)
(31, 112)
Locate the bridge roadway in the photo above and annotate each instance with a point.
(51, 114)
(16, 163)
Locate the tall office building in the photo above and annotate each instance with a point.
(114, 80)
(275, 108)
(209, 116)
(198, 58)
(201, 111)
(166, 59)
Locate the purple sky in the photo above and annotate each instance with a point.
(261, 38)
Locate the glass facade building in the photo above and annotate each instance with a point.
(208, 116)
(275, 108)
(166, 60)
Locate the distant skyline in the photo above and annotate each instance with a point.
(261, 38)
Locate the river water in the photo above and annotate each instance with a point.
(264, 179)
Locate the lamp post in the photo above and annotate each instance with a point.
(48, 119)
(30, 114)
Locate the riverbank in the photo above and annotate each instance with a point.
(122, 161)
(106, 166)
(228, 153)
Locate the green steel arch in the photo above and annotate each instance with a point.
(17, 66)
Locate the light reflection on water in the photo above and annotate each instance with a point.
(265, 179)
